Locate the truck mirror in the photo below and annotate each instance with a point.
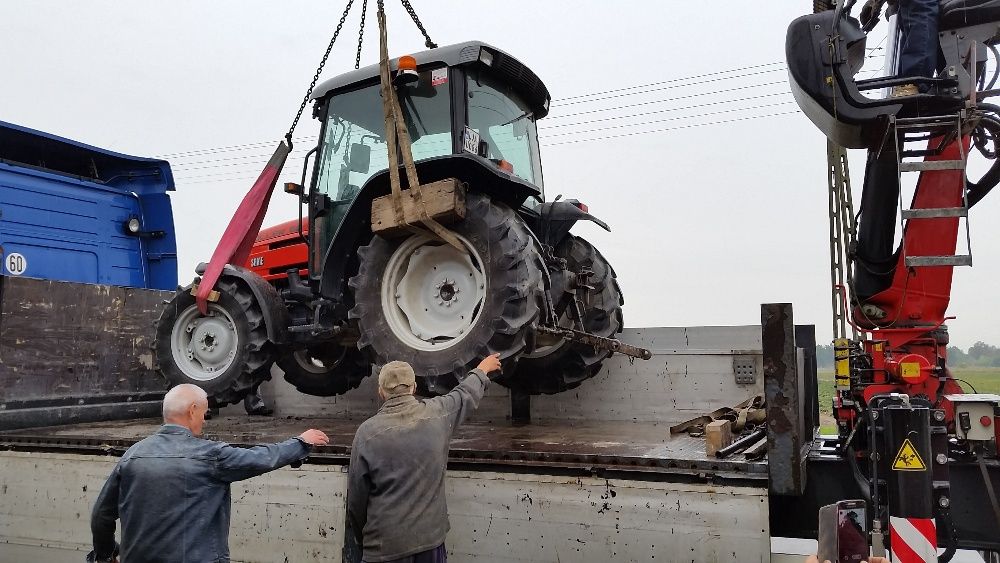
(361, 157)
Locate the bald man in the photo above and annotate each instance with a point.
(171, 490)
(395, 492)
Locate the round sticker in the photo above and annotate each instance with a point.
(15, 263)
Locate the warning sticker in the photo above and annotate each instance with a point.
(909, 370)
(439, 76)
(908, 459)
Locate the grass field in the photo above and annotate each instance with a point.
(984, 380)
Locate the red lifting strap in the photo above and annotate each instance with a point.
(234, 247)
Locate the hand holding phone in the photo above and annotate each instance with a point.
(843, 535)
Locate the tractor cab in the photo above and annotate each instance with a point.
(826, 50)
(470, 110)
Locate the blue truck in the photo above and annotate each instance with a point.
(77, 213)
(88, 248)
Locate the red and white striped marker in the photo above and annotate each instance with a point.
(913, 540)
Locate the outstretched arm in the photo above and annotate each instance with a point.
(466, 395)
(236, 464)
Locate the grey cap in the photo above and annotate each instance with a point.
(393, 375)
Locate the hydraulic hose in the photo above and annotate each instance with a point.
(988, 131)
(949, 528)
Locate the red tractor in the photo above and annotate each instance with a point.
(328, 298)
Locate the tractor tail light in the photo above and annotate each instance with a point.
(583, 206)
(506, 166)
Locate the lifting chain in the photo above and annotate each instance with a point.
(357, 59)
(413, 15)
(319, 70)
(361, 34)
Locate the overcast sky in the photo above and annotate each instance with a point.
(722, 209)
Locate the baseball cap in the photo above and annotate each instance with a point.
(395, 374)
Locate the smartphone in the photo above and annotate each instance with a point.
(843, 535)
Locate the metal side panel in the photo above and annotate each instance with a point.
(286, 515)
(506, 518)
(72, 352)
(691, 373)
(299, 515)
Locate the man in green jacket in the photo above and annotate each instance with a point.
(395, 496)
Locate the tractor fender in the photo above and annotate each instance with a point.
(276, 318)
(339, 259)
(556, 218)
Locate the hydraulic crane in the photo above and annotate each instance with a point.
(902, 417)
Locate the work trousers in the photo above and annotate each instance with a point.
(918, 22)
(436, 555)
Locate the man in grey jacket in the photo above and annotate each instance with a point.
(395, 495)
(171, 490)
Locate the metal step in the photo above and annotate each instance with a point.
(935, 212)
(932, 165)
(958, 260)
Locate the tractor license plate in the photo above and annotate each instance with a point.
(471, 140)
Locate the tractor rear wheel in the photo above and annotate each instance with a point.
(564, 365)
(422, 301)
(325, 371)
(226, 352)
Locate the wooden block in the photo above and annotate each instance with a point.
(444, 201)
(718, 434)
(213, 296)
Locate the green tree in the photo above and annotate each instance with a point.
(824, 356)
(957, 357)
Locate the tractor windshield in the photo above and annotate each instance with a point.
(505, 124)
(354, 148)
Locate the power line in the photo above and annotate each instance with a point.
(666, 129)
(654, 112)
(661, 100)
(669, 81)
(670, 119)
(661, 88)
(228, 148)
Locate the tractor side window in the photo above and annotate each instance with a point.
(506, 124)
(354, 147)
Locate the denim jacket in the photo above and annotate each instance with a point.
(395, 494)
(171, 492)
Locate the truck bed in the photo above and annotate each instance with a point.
(605, 445)
(595, 475)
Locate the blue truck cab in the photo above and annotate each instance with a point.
(73, 212)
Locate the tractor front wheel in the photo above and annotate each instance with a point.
(225, 352)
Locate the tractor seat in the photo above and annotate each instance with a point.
(963, 13)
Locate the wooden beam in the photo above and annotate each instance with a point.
(443, 202)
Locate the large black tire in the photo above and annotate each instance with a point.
(252, 353)
(512, 271)
(566, 365)
(332, 370)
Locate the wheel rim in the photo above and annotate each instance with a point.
(317, 365)
(432, 293)
(565, 321)
(204, 347)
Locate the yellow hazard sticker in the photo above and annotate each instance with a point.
(908, 459)
(909, 370)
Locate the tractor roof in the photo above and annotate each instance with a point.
(525, 82)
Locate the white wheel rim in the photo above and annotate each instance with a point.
(309, 363)
(204, 347)
(432, 293)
